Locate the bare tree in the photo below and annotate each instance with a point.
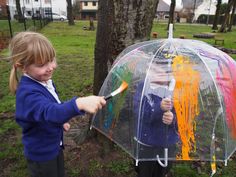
(226, 17)
(70, 13)
(120, 24)
(217, 14)
(232, 17)
(171, 13)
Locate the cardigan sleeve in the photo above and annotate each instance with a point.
(36, 107)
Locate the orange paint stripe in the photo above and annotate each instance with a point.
(185, 98)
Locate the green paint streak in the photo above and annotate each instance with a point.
(124, 74)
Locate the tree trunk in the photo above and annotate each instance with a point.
(70, 13)
(226, 17)
(232, 17)
(120, 24)
(171, 13)
(91, 24)
(103, 40)
(217, 14)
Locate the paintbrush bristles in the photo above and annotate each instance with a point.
(122, 87)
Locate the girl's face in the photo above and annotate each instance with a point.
(41, 73)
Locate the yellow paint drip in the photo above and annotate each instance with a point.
(213, 165)
(185, 99)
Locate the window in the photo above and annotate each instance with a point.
(85, 3)
(48, 11)
(94, 3)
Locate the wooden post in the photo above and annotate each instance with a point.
(154, 34)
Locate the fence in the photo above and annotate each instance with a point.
(9, 25)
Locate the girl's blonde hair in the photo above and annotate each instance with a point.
(28, 48)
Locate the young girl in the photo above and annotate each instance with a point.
(39, 111)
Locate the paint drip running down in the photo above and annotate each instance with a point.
(185, 99)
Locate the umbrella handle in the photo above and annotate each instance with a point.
(165, 160)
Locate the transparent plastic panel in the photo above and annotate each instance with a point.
(117, 120)
(223, 70)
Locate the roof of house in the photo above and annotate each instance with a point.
(88, 0)
(190, 4)
(164, 5)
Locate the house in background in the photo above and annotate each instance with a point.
(88, 9)
(163, 9)
(193, 9)
(30, 7)
(207, 7)
(187, 10)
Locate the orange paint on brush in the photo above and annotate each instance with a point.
(185, 98)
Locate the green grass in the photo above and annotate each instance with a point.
(75, 58)
(74, 77)
(12, 161)
(32, 25)
(189, 29)
(119, 167)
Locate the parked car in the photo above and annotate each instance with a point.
(56, 16)
(36, 16)
(27, 16)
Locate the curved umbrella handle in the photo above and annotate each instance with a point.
(165, 160)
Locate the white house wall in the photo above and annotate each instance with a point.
(58, 6)
(89, 6)
(208, 7)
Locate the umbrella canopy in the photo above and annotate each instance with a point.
(200, 80)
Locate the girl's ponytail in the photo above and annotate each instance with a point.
(13, 80)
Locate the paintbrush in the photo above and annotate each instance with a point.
(122, 87)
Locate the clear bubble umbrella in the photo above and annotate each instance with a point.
(200, 80)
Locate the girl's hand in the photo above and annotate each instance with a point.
(166, 104)
(167, 117)
(90, 104)
(66, 126)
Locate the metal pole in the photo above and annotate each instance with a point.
(24, 14)
(9, 19)
(51, 10)
(40, 12)
(33, 14)
(194, 7)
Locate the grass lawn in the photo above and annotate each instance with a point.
(74, 76)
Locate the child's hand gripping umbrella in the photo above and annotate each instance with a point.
(122, 87)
